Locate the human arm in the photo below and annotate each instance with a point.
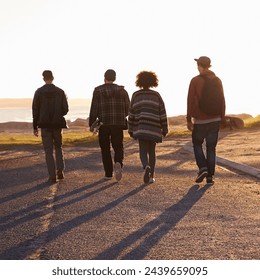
(131, 118)
(163, 117)
(93, 114)
(190, 125)
(35, 112)
(190, 104)
(65, 106)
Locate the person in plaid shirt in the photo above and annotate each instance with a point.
(110, 105)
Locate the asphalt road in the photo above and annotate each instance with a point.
(85, 217)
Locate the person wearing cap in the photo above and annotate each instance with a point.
(110, 105)
(203, 126)
(49, 107)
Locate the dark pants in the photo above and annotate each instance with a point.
(52, 138)
(209, 133)
(147, 154)
(111, 135)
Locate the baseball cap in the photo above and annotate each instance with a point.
(204, 61)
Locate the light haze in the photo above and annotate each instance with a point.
(79, 39)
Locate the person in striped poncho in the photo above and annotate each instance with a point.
(147, 121)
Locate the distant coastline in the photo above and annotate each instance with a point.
(20, 109)
(17, 111)
(27, 102)
(176, 121)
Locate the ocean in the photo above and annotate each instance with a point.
(24, 114)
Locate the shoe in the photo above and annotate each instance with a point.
(60, 174)
(151, 180)
(118, 171)
(210, 180)
(52, 180)
(147, 171)
(108, 178)
(201, 175)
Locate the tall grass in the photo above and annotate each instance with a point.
(72, 138)
(252, 122)
(80, 137)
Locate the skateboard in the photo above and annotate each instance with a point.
(233, 123)
(95, 126)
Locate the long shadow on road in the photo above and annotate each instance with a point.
(38, 210)
(24, 249)
(154, 230)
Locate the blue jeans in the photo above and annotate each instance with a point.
(52, 138)
(147, 154)
(209, 133)
(114, 135)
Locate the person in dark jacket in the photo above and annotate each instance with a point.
(109, 106)
(49, 107)
(204, 126)
(147, 121)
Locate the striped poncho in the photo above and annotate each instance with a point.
(147, 119)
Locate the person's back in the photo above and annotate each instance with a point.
(49, 108)
(110, 105)
(205, 123)
(147, 121)
(150, 120)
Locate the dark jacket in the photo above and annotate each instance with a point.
(49, 107)
(110, 104)
(194, 94)
(147, 116)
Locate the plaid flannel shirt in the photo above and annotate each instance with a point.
(110, 104)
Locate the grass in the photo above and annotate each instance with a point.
(72, 138)
(252, 122)
(81, 137)
(10, 139)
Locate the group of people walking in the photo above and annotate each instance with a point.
(144, 116)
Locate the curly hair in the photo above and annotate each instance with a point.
(146, 79)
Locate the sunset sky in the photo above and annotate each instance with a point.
(79, 39)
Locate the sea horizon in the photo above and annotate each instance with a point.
(20, 110)
(24, 114)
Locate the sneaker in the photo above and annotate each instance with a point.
(108, 178)
(201, 175)
(151, 180)
(60, 174)
(210, 180)
(147, 171)
(118, 171)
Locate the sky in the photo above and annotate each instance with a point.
(80, 39)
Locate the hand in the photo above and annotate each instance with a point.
(36, 132)
(164, 134)
(223, 123)
(190, 126)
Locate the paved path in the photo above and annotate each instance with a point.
(85, 217)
